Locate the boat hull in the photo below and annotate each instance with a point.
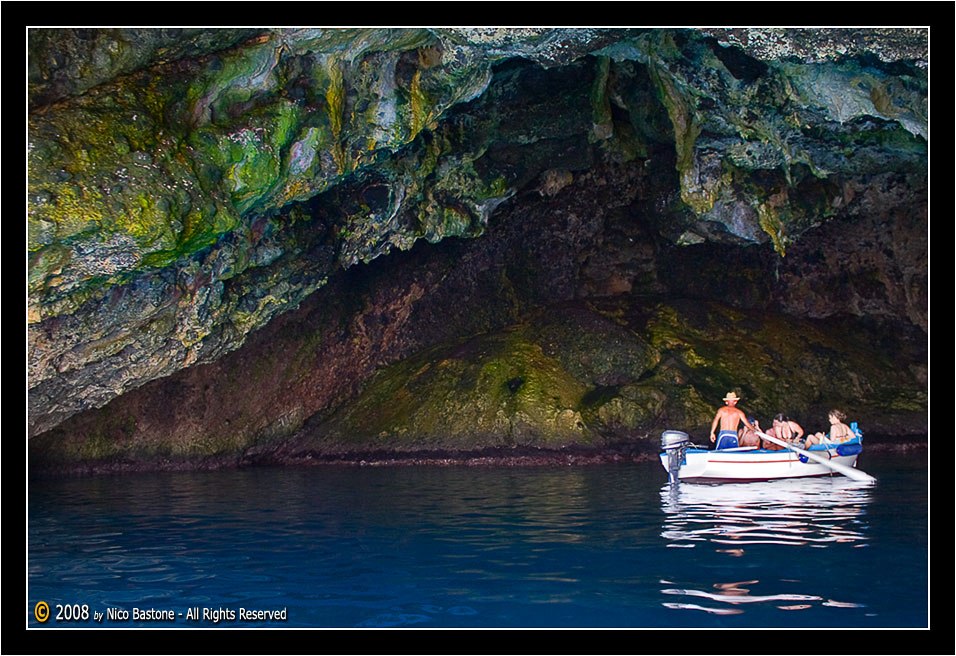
(751, 464)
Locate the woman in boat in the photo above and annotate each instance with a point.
(839, 432)
(783, 429)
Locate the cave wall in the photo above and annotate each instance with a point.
(309, 256)
(647, 342)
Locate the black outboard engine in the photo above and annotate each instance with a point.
(674, 443)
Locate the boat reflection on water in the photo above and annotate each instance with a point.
(796, 512)
(764, 524)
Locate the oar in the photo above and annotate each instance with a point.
(850, 472)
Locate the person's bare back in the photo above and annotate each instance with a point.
(729, 417)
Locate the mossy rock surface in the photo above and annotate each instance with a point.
(490, 390)
(579, 378)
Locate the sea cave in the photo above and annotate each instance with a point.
(446, 245)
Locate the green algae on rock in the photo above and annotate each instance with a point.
(499, 390)
(561, 382)
(524, 386)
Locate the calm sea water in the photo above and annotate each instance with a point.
(590, 547)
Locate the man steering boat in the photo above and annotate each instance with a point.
(728, 418)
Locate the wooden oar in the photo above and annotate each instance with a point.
(850, 472)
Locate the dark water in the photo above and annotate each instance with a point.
(597, 546)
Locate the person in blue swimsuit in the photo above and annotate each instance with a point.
(728, 418)
(839, 432)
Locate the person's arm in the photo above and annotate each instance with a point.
(713, 426)
(798, 429)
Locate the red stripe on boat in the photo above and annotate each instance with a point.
(750, 462)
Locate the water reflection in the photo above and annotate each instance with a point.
(801, 512)
(762, 524)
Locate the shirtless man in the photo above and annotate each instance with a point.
(729, 417)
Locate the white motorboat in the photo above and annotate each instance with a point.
(688, 462)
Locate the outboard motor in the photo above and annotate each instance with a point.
(674, 443)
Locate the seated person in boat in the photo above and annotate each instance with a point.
(747, 436)
(839, 432)
(728, 417)
(783, 429)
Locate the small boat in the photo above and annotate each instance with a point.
(687, 462)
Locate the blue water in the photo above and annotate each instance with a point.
(589, 547)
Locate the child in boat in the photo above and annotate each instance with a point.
(747, 436)
(839, 432)
(783, 429)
